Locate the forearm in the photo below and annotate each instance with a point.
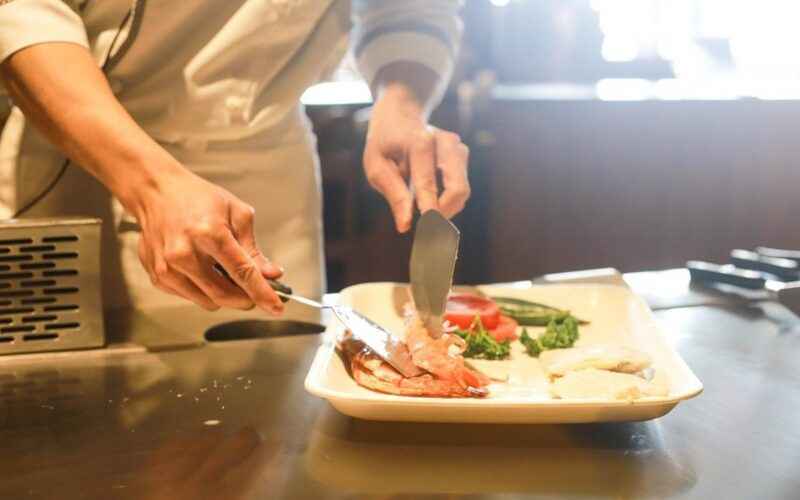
(188, 224)
(407, 47)
(81, 116)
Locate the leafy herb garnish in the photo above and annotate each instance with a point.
(481, 345)
(558, 335)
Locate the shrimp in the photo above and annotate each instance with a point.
(442, 357)
(373, 373)
(447, 374)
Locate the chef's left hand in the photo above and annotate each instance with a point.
(401, 144)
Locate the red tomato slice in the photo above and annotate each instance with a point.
(506, 329)
(462, 308)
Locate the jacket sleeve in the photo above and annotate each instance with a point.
(29, 22)
(423, 31)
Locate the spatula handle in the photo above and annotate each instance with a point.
(714, 273)
(275, 284)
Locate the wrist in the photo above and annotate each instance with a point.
(408, 85)
(143, 177)
(401, 95)
(399, 104)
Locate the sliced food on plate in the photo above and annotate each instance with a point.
(559, 362)
(591, 383)
(528, 313)
(471, 312)
(482, 328)
(602, 371)
(446, 373)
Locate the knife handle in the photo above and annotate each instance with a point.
(779, 253)
(275, 284)
(783, 269)
(280, 287)
(714, 273)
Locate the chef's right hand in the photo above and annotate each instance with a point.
(189, 225)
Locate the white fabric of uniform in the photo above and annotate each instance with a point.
(218, 85)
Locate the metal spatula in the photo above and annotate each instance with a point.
(433, 260)
(382, 342)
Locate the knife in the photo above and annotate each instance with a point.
(779, 253)
(784, 292)
(433, 259)
(783, 269)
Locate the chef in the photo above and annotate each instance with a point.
(179, 124)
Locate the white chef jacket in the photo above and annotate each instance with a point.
(217, 83)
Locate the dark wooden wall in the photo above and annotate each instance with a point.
(563, 185)
(639, 185)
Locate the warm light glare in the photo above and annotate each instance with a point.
(624, 89)
(619, 49)
(770, 90)
(353, 92)
(762, 35)
(765, 39)
(673, 89)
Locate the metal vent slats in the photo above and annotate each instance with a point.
(45, 278)
(49, 290)
(40, 282)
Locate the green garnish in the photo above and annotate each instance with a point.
(556, 336)
(528, 313)
(481, 345)
(531, 344)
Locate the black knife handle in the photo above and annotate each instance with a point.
(779, 253)
(275, 284)
(281, 287)
(783, 269)
(714, 273)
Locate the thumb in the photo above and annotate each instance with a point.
(268, 268)
(242, 220)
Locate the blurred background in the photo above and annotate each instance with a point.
(628, 133)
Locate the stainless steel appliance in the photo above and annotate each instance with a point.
(50, 296)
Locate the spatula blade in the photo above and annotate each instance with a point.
(433, 260)
(393, 350)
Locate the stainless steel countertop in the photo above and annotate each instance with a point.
(231, 420)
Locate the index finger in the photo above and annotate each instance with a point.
(422, 157)
(453, 159)
(384, 176)
(243, 271)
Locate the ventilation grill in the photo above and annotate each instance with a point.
(48, 277)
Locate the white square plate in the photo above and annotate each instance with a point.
(617, 316)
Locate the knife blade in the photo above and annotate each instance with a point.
(784, 292)
(433, 259)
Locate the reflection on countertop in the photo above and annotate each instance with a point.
(231, 420)
(459, 459)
